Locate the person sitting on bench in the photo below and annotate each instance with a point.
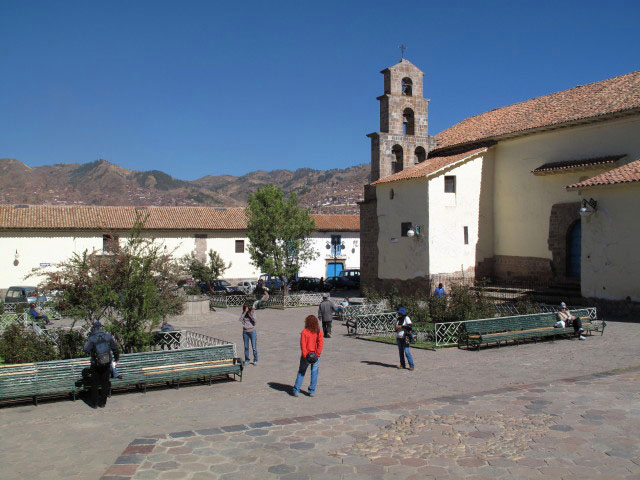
(36, 316)
(566, 319)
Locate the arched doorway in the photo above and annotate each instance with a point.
(574, 248)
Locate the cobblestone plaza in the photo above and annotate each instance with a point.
(563, 409)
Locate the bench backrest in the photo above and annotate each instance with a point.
(512, 323)
(61, 376)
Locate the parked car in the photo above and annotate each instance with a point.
(272, 282)
(309, 284)
(218, 286)
(22, 294)
(351, 278)
(247, 286)
(337, 283)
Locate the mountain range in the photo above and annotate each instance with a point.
(104, 183)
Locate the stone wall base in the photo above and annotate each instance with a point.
(520, 269)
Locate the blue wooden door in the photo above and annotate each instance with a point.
(574, 244)
(334, 269)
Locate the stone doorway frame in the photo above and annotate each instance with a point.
(562, 217)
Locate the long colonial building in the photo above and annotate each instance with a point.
(544, 190)
(43, 235)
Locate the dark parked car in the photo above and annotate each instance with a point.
(218, 286)
(351, 278)
(20, 294)
(337, 283)
(309, 284)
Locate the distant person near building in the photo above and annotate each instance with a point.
(326, 309)
(100, 345)
(439, 292)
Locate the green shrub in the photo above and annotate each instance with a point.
(70, 343)
(468, 304)
(22, 345)
(192, 291)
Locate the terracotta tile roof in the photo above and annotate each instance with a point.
(429, 166)
(573, 164)
(615, 95)
(337, 222)
(66, 217)
(625, 174)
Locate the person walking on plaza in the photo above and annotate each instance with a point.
(326, 310)
(403, 330)
(100, 345)
(311, 344)
(248, 320)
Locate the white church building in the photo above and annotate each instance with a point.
(544, 190)
(44, 235)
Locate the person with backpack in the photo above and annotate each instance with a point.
(311, 343)
(403, 337)
(100, 345)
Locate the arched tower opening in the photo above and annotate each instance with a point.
(407, 87)
(408, 122)
(398, 162)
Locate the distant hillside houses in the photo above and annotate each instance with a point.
(546, 190)
(43, 235)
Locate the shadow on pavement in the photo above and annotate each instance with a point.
(280, 387)
(379, 364)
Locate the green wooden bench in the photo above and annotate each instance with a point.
(64, 377)
(523, 327)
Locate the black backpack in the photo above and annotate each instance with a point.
(102, 350)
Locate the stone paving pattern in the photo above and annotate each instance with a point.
(61, 439)
(585, 427)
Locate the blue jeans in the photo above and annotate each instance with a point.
(403, 349)
(254, 345)
(302, 370)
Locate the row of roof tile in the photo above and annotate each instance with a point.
(67, 217)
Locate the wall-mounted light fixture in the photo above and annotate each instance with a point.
(414, 231)
(588, 207)
(17, 255)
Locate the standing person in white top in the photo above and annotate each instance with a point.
(403, 329)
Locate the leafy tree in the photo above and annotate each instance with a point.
(130, 290)
(279, 232)
(202, 271)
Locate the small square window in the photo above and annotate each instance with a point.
(110, 243)
(404, 228)
(450, 184)
(466, 235)
(239, 246)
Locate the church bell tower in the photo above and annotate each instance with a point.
(403, 140)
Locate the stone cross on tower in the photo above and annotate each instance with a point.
(402, 49)
(403, 140)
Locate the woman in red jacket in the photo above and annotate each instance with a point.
(311, 341)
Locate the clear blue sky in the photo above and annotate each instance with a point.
(205, 87)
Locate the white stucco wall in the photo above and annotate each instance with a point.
(350, 256)
(449, 213)
(39, 247)
(610, 255)
(523, 201)
(402, 257)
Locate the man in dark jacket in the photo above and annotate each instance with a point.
(100, 345)
(325, 313)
